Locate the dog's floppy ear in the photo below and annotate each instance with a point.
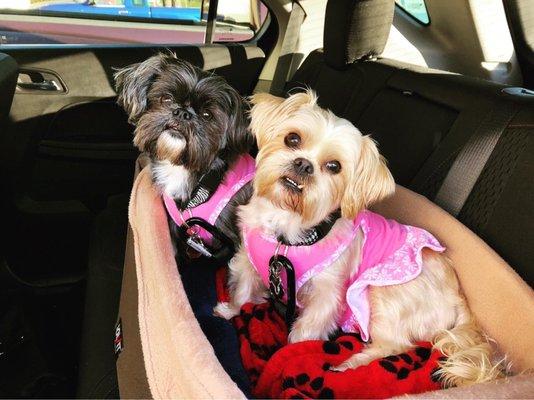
(371, 181)
(239, 139)
(133, 82)
(268, 111)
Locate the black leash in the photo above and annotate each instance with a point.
(279, 263)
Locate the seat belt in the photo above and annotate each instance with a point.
(289, 45)
(472, 159)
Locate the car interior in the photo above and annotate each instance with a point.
(450, 103)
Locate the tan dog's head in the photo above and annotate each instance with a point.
(312, 162)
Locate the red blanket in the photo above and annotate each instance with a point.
(302, 370)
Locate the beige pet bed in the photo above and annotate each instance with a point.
(166, 355)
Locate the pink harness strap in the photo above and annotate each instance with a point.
(391, 255)
(235, 178)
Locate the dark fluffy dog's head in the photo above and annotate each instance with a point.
(182, 114)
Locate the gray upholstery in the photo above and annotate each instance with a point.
(422, 119)
(356, 29)
(520, 15)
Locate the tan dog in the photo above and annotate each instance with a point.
(311, 163)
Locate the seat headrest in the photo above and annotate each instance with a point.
(355, 29)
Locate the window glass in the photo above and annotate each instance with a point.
(238, 20)
(37, 22)
(416, 8)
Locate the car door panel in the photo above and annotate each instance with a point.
(73, 145)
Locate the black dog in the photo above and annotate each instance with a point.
(191, 123)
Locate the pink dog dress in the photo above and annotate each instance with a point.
(235, 178)
(391, 255)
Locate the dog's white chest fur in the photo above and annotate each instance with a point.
(173, 180)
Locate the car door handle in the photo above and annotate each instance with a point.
(39, 81)
(46, 85)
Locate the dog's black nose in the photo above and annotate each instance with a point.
(186, 115)
(183, 114)
(302, 166)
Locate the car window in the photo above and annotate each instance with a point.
(415, 8)
(50, 22)
(236, 18)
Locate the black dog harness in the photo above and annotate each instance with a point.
(198, 218)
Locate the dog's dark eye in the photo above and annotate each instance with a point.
(333, 166)
(292, 140)
(166, 99)
(206, 115)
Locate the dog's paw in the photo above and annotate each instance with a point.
(353, 362)
(225, 310)
(342, 367)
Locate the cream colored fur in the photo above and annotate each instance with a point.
(428, 308)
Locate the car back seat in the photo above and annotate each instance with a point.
(423, 119)
(165, 353)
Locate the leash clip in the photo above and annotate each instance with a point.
(195, 242)
(275, 280)
(190, 230)
(277, 263)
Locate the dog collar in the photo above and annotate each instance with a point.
(318, 232)
(206, 203)
(207, 185)
(390, 255)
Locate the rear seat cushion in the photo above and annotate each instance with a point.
(410, 129)
(97, 376)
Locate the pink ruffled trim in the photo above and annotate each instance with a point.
(400, 267)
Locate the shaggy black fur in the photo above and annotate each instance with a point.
(167, 95)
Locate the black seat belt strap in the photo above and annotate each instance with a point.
(469, 164)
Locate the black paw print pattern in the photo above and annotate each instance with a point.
(403, 364)
(312, 384)
(303, 386)
(251, 324)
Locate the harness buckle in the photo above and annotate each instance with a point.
(196, 244)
